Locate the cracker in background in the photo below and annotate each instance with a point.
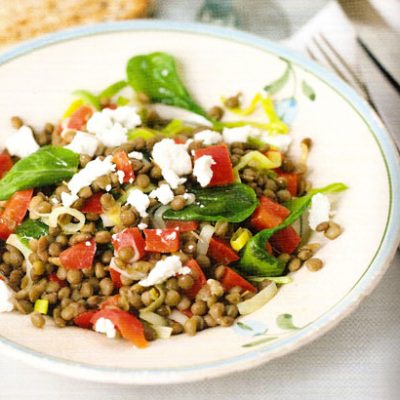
(23, 19)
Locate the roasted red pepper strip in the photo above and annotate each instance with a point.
(83, 319)
(221, 252)
(161, 240)
(14, 212)
(199, 279)
(79, 118)
(182, 226)
(129, 326)
(123, 164)
(286, 240)
(222, 169)
(130, 237)
(5, 163)
(231, 279)
(79, 256)
(116, 278)
(92, 204)
(268, 214)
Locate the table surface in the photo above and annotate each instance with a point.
(359, 359)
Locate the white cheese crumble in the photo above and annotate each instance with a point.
(174, 161)
(139, 200)
(83, 143)
(282, 142)
(319, 210)
(111, 126)
(202, 170)
(121, 176)
(5, 298)
(164, 194)
(21, 143)
(239, 134)
(142, 226)
(243, 133)
(164, 269)
(137, 155)
(208, 137)
(104, 325)
(93, 170)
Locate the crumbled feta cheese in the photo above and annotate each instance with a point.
(83, 143)
(174, 161)
(282, 142)
(208, 137)
(142, 226)
(164, 194)
(239, 134)
(21, 143)
(93, 170)
(104, 325)
(127, 116)
(202, 170)
(88, 244)
(137, 155)
(121, 176)
(139, 200)
(5, 298)
(319, 210)
(108, 188)
(164, 269)
(111, 126)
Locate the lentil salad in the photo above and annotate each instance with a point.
(131, 222)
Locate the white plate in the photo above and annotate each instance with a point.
(350, 145)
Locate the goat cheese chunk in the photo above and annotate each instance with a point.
(164, 269)
(174, 161)
(5, 298)
(85, 177)
(202, 170)
(137, 155)
(208, 137)
(111, 126)
(21, 143)
(164, 194)
(104, 325)
(319, 210)
(139, 200)
(282, 142)
(83, 143)
(240, 134)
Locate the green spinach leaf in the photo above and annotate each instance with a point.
(31, 229)
(46, 166)
(255, 260)
(155, 75)
(233, 203)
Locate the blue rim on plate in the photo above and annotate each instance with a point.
(365, 284)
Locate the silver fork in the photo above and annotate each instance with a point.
(325, 54)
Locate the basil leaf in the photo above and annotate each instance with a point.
(31, 229)
(255, 260)
(233, 203)
(46, 166)
(112, 90)
(279, 83)
(155, 75)
(308, 91)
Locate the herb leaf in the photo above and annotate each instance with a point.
(279, 83)
(155, 75)
(233, 203)
(255, 260)
(88, 98)
(31, 229)
(46, 166)
(112, 90)
(308, 91)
